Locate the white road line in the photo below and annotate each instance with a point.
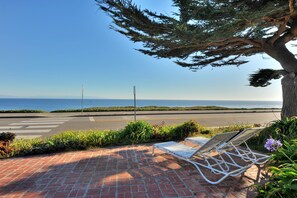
(11, 127)
(36, 123)
(44, 121)
(31, 131)
(50, 119)
(42, 126)
(27, 136)
(91, 119)
(127, 118)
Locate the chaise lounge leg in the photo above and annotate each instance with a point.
(153, 152)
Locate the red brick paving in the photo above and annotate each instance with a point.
(128, 171)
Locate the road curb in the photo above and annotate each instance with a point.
(98, 114)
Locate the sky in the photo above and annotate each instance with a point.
(49, 48)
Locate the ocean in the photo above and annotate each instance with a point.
(59, 104)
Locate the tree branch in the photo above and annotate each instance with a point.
(281, 29)
(208, 31)
(291, 7)
(289, 34)
(262, 77)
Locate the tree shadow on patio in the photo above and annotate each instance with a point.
(109, 172)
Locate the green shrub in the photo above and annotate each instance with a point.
(7, 137)
(23, 111)
(5, 150)
(282, 183)
(186, 129)
(179, 132)
(69, 140)
(283, 168)
(163, 133)
(286, 154)
(137, 132)
(236, 127)
(134, 132)
(152, 108)
(66, 141)
(280, 130)
(206, 132)
(283, 163)
(25, 146)
(103, 138)
(190, 128)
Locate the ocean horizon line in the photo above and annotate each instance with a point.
(61, 104)
(154, 99)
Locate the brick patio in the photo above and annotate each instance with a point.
(128, 171)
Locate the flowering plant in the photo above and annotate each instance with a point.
(272, 144)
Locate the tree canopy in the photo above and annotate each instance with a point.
(202, 33)
(217, 33)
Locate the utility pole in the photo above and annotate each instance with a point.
(134, 92)
(82, 98)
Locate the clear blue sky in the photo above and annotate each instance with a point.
(49, 48)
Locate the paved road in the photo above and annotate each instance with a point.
(48, 124)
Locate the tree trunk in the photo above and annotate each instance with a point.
(289, 86)
(289, 82)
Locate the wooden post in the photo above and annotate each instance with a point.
(134, 92)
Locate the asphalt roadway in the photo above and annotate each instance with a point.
(46, 124)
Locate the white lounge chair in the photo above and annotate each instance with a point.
(246, 153)
(217, 165)
(198, 140)
(234, 143)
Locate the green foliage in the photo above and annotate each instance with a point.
(262, 77)
(5, 150)
(137, 132)
(186, 129)
(163, 133)
(179, 132)
(283, 163)
(66, 141)
(69, 140)
(152, 108)
(212, 33)
(202, 33)
(283, 179)
(283, 130)
(22, 111)
(282, 183)
(206, 132)
(103, 138)
(237, 127)
(26, 146)
(286, 154)
(134, 132)
(7, 137)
